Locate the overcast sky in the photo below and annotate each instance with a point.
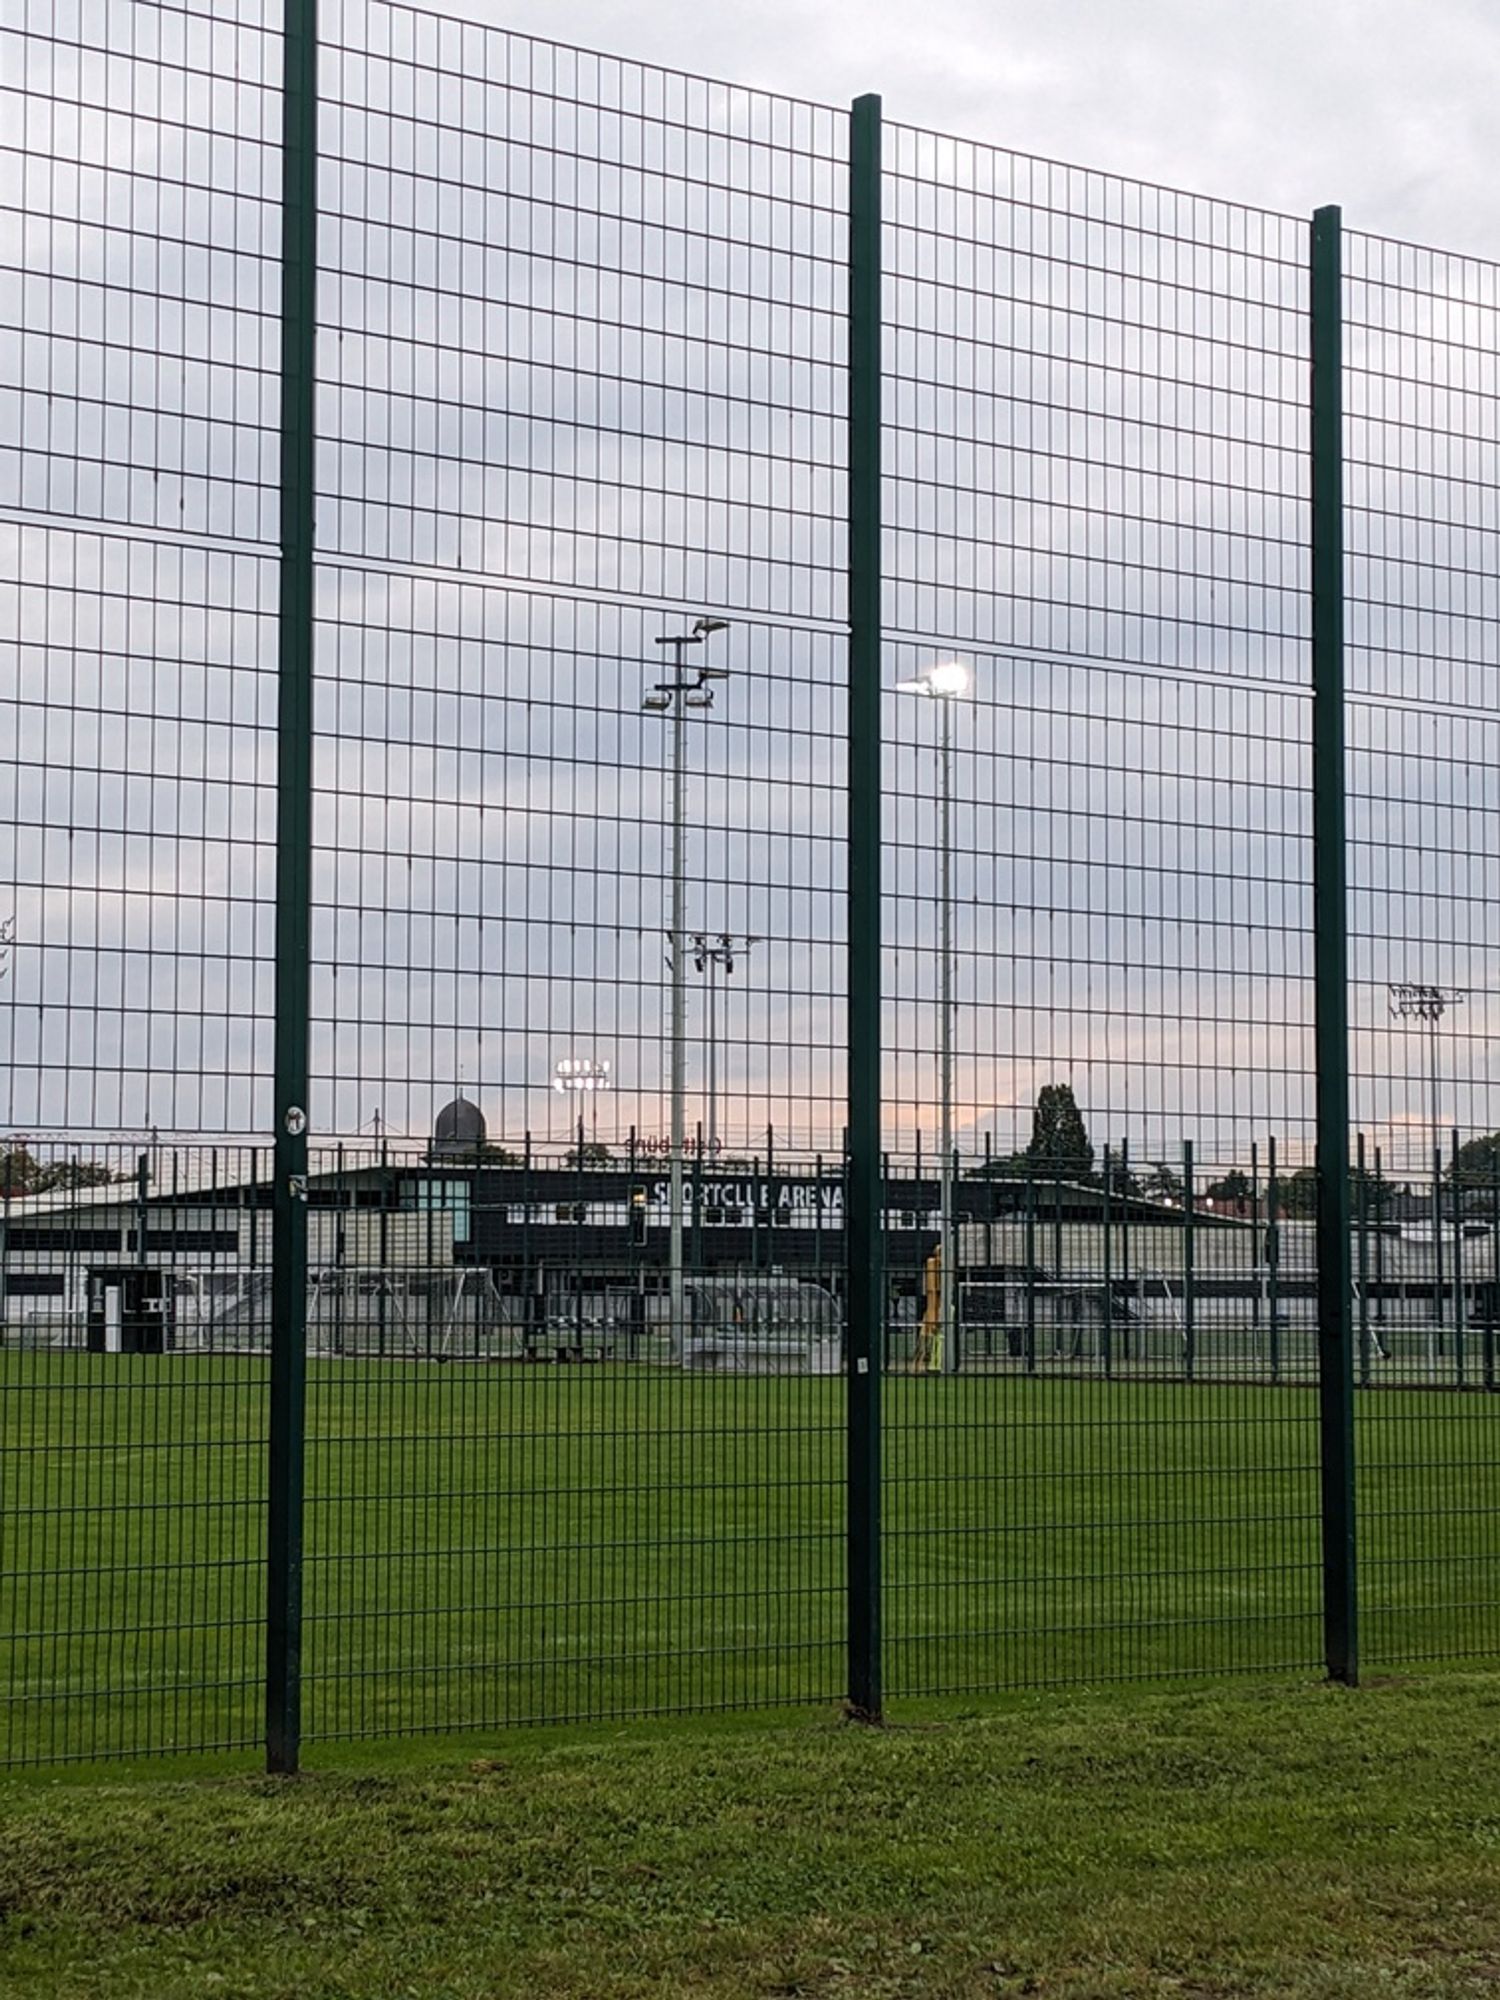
(567, 393)
(1388, 107)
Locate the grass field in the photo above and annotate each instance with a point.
(501, 1544)
(1269, 1841)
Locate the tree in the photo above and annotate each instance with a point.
(1297, 1195)
(1060, 1145)
(77, 1174)
(1161, 1184)
(1476, 1164)
(1121, 1177)
(1379, 1193)
(1233, 1186)
(590, 1154)
(1000, 1166)
(22, 1173)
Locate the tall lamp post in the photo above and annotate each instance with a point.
(582, 1076)
(946, 683)
(1418, 1002)
(710, 951)
(687, 688)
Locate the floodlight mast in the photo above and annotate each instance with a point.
(1419, 1001)
(683, 691)
(944, 683)
(582, 1075)
(710, 951)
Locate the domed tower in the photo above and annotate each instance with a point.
(460, 1128)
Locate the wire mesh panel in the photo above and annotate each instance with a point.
(579, 851)
(1423, 474)
(1100, 1440)
(138, 401)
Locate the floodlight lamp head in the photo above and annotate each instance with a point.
(949, 677)
(698, 698)
(657, 701)
(713, 673)
(702, 627)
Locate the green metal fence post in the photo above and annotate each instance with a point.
(1189, 1262)
(1257, 1244)
(1030, 1267)
(1439, 1285)
(696, 1197)
(1460, 1317)
(299, 272)
(1493, 1305)
(863, 1245)
(1363, 1277)
(1105, 1349)
(886, 1356)
(1379, 1253)
(1331, 951)
(1126, 1287)
(1273, 1264)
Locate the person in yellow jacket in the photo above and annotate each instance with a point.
(927, 1357)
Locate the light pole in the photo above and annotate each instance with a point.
(581, 1076)
(1419, 1002)
(688, 688)
(944, 684)
(709, 953)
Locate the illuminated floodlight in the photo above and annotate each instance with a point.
(580, 1073)
(948, 678)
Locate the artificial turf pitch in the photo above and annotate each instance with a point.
(494, 1544)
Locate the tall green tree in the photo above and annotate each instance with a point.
(21, 1172)
(1379, 1193)
(1476, 1163)
(1297, 1194)
(1059, 1146)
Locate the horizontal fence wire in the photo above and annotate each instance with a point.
(576, 1324)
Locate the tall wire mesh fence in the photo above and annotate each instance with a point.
(576, 1328)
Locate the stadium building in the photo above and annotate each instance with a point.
(462, 1251)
